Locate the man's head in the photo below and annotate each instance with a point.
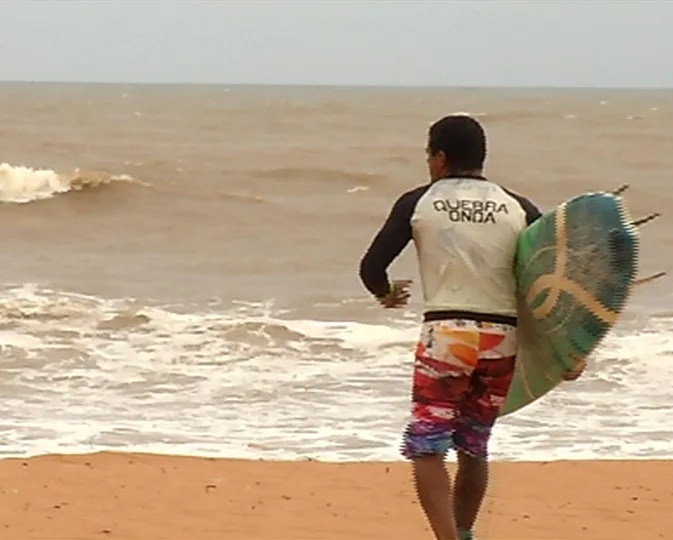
(456, 145)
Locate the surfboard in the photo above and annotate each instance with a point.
(576, 267)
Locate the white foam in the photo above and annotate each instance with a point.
(80, 373)
(19, 184)
(24, 184)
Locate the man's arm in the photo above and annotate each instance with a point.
(533, 213)
(388, 243)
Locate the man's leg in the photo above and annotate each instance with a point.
(433, 487)
(426, 445)
(441, 380)
(469, 491)
(479, 411)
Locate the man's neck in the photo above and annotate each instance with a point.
(460, 173)
(477, 174)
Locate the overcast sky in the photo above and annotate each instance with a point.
(623, 43)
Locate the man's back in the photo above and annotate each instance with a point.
(465, 231)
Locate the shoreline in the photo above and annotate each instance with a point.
(450, 459)
(134, 496)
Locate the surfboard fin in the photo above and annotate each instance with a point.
(647, 279)
(621, 189)
(646, 219)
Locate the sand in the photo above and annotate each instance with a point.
(121, 496)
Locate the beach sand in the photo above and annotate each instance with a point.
(149, 497)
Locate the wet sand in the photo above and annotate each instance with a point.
(150, 497)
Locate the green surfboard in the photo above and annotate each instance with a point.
(576, 267)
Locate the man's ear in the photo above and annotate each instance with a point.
(443, 159)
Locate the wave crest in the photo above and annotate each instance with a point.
(21, 184)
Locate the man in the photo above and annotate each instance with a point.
(465, 231)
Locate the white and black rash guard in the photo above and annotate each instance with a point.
(465, 230)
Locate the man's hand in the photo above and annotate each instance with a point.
(398, 296)
(575, 373)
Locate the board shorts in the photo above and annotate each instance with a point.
(462, 373)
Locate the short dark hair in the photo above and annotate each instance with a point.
(462, 139)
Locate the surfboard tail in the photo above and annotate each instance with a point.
(656, 275)
(647, 279)
(637, 223)
(646, 219)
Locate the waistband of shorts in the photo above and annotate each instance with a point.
(495, 318)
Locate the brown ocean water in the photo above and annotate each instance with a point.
(180, 264)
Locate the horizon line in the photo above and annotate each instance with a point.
(334, 86)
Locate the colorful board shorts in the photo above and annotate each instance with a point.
(462, 373)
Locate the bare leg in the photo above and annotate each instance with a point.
(478, 414)
(469, 490)
(433, 486)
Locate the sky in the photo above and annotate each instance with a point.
(549, 43)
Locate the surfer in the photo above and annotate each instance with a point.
(465, 231)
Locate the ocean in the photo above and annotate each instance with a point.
(180, 266)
